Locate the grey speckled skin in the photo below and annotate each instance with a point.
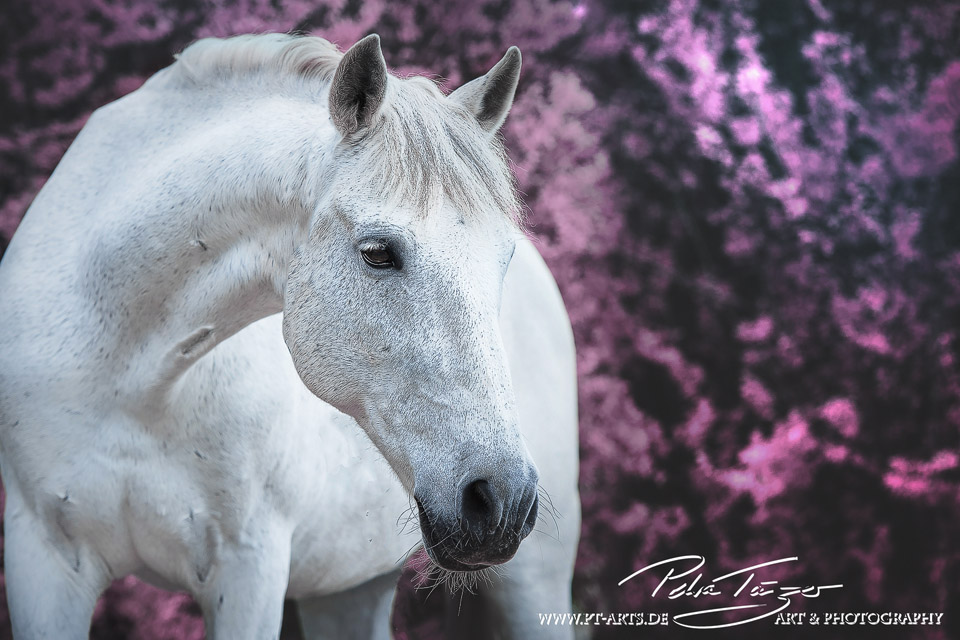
(208, 380)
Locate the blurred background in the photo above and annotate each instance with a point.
(752, 209)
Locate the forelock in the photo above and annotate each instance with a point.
(424, 151)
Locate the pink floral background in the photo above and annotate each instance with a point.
(753, 212)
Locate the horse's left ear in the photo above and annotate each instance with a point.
(490, 97)
(359, 85)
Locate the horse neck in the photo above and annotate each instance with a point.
(206, 252)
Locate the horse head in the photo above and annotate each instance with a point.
(391, 307)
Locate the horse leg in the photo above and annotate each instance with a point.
(244, 597)
(361, 613)
(52, 585)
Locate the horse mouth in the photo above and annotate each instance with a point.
(435, 543)
(435, 549)
(449, 564)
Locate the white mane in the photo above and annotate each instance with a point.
(422, 147)
(277, 54)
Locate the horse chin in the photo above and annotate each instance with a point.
(452, 575)
(449, 564)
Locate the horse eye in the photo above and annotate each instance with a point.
(378, 256)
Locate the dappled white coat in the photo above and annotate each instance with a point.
(185, 449)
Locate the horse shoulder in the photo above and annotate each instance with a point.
(319, 470)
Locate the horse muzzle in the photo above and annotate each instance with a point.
(487, 526)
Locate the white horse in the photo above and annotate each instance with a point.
(152, 420)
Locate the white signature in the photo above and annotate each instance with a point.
(692, 588)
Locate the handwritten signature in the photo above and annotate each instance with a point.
(694, 586)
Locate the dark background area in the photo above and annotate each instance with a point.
(753, 212)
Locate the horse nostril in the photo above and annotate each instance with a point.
(481, 508)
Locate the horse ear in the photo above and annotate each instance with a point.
(359, 85)
(490, 97)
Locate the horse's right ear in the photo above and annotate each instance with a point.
(359, 86)
(490, 97)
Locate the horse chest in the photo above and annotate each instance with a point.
(167, 493)
(132, 500)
